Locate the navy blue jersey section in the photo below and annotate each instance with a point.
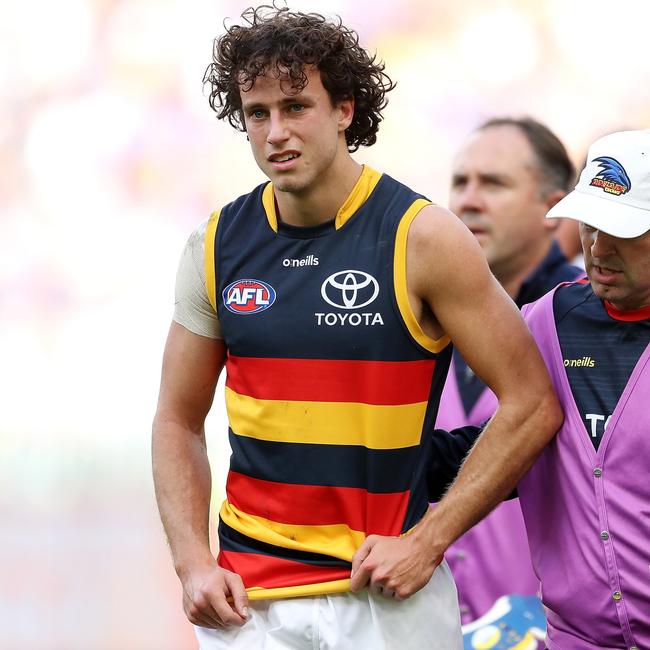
(310, 464)
(599, 353)
(324, 285)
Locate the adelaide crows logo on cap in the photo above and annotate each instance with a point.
(613, 178)
(248, 296)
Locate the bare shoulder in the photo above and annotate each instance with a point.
(434, 222)
(441, 250)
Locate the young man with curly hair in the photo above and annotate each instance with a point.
(331, 295)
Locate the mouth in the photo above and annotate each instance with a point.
(283, 159)
(479, 233)
(604, 274)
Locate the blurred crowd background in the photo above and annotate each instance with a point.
(109, 156)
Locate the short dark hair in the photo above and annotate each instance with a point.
(555, 167)
(288, 41)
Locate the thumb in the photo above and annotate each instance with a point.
(362, 553)
(238, 593)
(359, 575)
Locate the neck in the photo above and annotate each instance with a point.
(513, 273)
(322, 201)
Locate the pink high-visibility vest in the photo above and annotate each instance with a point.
(587, 512)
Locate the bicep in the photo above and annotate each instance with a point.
(454, 280)
(488, 331)
(190, 371)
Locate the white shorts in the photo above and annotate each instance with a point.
(429, 620)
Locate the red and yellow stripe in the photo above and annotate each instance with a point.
(318, 505)
(272, 577)
(375, 404)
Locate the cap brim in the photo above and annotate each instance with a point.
(604, 214)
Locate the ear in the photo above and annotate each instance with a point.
(550, 200)
(346, 113)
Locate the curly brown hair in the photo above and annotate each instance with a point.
(287, 41)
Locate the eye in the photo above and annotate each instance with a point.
(494, 181)
(257, 113)
(296, 108)
(458, 181)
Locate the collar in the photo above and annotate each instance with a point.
(358, 196)
(629, 315)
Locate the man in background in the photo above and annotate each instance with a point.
(506, 177)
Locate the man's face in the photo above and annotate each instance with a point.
(496, 192)
(295, 138)
(619, 269)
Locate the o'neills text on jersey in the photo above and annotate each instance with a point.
(310, 260)
(585, 362)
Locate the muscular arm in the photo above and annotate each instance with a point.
(452, 291)
(191, 368)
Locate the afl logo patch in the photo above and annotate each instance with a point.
(248, 296)
(349, 289)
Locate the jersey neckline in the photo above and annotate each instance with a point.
(362, 189)
(629, 315)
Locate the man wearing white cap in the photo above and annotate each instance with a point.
(586, 500)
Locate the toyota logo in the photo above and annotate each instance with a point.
(349, 289)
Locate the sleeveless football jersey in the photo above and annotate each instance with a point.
(330, 384)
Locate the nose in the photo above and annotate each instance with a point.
(601, 244)
(278, 131)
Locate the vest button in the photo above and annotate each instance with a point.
(617, 595)
(604, 535)
(598, 472)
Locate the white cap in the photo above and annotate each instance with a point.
(613, 193)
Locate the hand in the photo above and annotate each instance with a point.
(214, 597)
(395, 567)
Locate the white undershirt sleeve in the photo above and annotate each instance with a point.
(192, 308)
